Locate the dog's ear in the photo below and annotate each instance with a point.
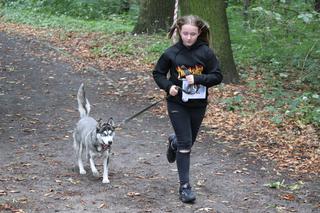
(111, 122)
(100, 122)
(99, 125)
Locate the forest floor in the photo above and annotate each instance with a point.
(38, 172)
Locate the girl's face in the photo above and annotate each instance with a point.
(189, 34)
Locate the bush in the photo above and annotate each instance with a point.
(282, 38)
(305, 108)
(89, 10)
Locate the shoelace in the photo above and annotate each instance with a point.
(186, 189)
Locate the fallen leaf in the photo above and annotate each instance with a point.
(219, 173)
(70, 110)
(103, 205)
(132, 194)
(296, 186)
(47, 194)
(201, 182)
(2, 192)
(289, 197)
(205, 209)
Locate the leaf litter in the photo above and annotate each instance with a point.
(295, 152)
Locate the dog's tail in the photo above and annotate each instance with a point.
(84, 105)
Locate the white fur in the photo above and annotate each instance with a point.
(93, 137)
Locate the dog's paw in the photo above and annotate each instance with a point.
(83, 172)
(106, 180)
(95, 173)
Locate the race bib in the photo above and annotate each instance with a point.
(196, 91)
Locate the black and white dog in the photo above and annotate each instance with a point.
(95, 137)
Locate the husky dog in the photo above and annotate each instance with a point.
(95, 137)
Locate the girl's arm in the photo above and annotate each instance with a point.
(160, 73)
(212, 75)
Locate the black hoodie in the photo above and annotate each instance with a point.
(198, 58)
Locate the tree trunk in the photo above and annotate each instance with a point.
(124, 6)
(246, 4)
(214, 12)
(317, 5)
(155, 16)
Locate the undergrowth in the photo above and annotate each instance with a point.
(277, 48)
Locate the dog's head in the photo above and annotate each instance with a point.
(105, 134)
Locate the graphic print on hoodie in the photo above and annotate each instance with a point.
(196, 70)
(198, 58)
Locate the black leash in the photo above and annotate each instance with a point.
(138, 113)
(191, 90)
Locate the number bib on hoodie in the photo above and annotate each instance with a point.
(200, 92)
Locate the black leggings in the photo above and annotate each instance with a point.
(186, 123)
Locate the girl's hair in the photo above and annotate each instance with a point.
(192, 20)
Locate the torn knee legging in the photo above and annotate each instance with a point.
(186, 123)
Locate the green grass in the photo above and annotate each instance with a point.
(114, 25)
(117, 40)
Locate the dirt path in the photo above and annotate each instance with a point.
(38, 173)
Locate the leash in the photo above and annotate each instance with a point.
(191, 90)
(138, 113)
(150, 106)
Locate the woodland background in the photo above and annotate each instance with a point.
(270, 99)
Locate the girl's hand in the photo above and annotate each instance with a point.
(190, 79)
(173, 90)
